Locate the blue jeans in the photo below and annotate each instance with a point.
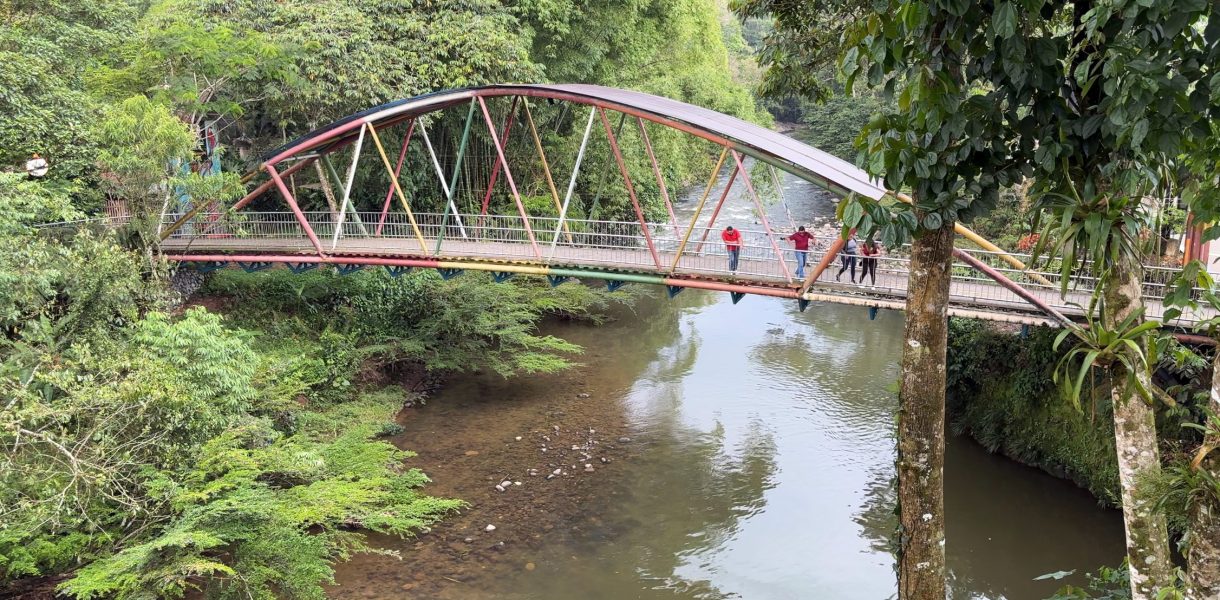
(801, 257)
(734, 254)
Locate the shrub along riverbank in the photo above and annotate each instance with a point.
(1001, 393)
(151, 451)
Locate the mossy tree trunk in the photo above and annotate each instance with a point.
(921, 419)
(1203, 558)
(1136, 444)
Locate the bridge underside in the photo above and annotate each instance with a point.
(988, 283)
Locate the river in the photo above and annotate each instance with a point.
(759, 466)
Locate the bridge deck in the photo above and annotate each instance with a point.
(970, 292)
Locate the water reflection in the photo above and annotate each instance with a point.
(768, 473)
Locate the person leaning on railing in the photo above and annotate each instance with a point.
(800, 243)
(732, 244)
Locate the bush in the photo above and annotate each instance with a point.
(1011, 406)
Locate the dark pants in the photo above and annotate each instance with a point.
(848, 261)
(734, 255)
(868, 266)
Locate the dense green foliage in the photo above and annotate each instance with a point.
(166, 453)
(148, 452)
(46, 50)
(1012, 407)
(463, 324)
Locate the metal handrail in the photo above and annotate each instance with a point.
(620, 244)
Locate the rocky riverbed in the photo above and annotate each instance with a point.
(533, 466)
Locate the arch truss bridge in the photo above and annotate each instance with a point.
(542, 231)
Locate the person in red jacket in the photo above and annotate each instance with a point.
(732, 243)
(800, 242)
(869, 262)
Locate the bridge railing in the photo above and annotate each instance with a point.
(623, 245)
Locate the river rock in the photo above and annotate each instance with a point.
(499, 488)
(468, 540)
(489, 528)
(556, 471)
(624, 440)
(471, 453)
(582, 395)
(506, 483)
(518, 438)
(529, 566)
(588, 467)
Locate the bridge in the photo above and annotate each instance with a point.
(257, 233)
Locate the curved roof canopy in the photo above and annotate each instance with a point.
(772, 147)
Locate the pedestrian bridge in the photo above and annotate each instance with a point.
(467, 235)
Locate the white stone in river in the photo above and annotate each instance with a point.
(518, 438)
(506, 483)
(516, 483)
(499, 488)
(489, 527)
(556, 471)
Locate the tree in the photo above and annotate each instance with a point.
(943, 143)
(46, 49)
(1201, 194)
(143, 149)
(1111, 95)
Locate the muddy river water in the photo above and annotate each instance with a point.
(748, 453)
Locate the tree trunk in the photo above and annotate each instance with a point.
(1136, 443)
(1203, 558)
(921, 420)
(328, 192)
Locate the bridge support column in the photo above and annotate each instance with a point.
(495, 168)
(546, 166)
(385, 160)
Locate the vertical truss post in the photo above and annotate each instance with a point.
(457, 170)
(601, 182)
(440, 175)
(546, 167)
(762, 214)
(508, 175)
(296, 210)
(347, 189)
(385, 160)
(711, 182)
(719, 204)
(402, 155)
(567, 200)
(635, 202)
(495, 169)
(656, 170)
